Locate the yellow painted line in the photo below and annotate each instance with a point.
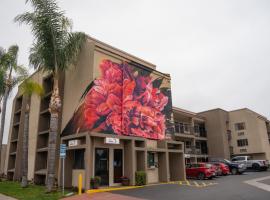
(112, 189)
(180, 183)
(188, 183)
(203, 184)
(196, 184)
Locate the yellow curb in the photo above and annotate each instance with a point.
(112, 189)
(188, 183)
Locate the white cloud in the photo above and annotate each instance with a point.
(217, 52)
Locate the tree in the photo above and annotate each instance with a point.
(10, 74)
(54, 49)
(28, 88)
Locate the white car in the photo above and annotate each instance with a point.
(258, 165)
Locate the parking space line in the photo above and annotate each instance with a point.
(196, 184)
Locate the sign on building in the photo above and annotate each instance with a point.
(112, 140)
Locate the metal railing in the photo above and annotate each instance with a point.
(185, 128)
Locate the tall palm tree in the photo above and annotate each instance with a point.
(28, 88)
(54, 49)
(11, 73)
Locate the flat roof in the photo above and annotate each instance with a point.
(187, 112)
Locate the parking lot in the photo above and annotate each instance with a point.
(233, 187)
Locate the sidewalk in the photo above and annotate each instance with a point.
(100, 196)
(4, 197)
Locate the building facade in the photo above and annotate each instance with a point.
(190, 129)
(116, 119)
(237, 132)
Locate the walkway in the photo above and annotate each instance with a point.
(4, 197)
(101, 196)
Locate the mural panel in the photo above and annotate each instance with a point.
(124, 100)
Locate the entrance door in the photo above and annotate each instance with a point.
(117, 165)
(102, 165)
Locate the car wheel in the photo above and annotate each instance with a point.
(256, 167)
(234, 171)
(201, 176)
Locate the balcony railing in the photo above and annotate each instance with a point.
(195, 151)
(182, 128)
(185, 128)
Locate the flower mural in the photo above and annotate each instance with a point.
(124, 100)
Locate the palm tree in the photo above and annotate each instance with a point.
(28, 88)
(54, 49)
(11, 74)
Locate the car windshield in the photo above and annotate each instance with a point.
(227, 161)
(208, 165)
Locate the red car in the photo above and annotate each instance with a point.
(215, 169)
(199, 170)
(224, 168)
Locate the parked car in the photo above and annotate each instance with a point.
(215, 169)
(199, 171)
(235, 168)
(224, 169)
(258, 165)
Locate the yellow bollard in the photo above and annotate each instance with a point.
(80, 184)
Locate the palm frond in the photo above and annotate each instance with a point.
(2, 81)
(53, 45)
(29, 87)
(72, 49)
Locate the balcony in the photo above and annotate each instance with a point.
(195, 151)
(182, 128)
(189, 150)
(199, 131)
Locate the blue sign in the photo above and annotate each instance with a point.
(63, 149)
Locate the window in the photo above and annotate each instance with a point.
(78, 162)
(186, 128)
(242, 142)
(240, 126)
(243, 150)
(241, 133)
(238, 159)
(177, 128)
(188, 144)
(151, 159)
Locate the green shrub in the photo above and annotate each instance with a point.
(140, 178)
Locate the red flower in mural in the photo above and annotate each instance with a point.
(125, 103)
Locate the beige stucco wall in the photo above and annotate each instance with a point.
(33, 126)
(218, 145)
(255, 132)
(76, 80)
(75, 177)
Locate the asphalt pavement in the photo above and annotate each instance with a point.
(232, 187)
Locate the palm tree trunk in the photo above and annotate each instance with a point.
(55, 108)
(3, 117)
(25, 146)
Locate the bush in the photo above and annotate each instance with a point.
(95, 182)
(140, 178)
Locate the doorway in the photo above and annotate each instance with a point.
(102, 165)
(117, 165)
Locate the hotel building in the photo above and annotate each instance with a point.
(237, 132)
(190, 129)
(116, 119)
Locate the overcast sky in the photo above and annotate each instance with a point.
(217, 52)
